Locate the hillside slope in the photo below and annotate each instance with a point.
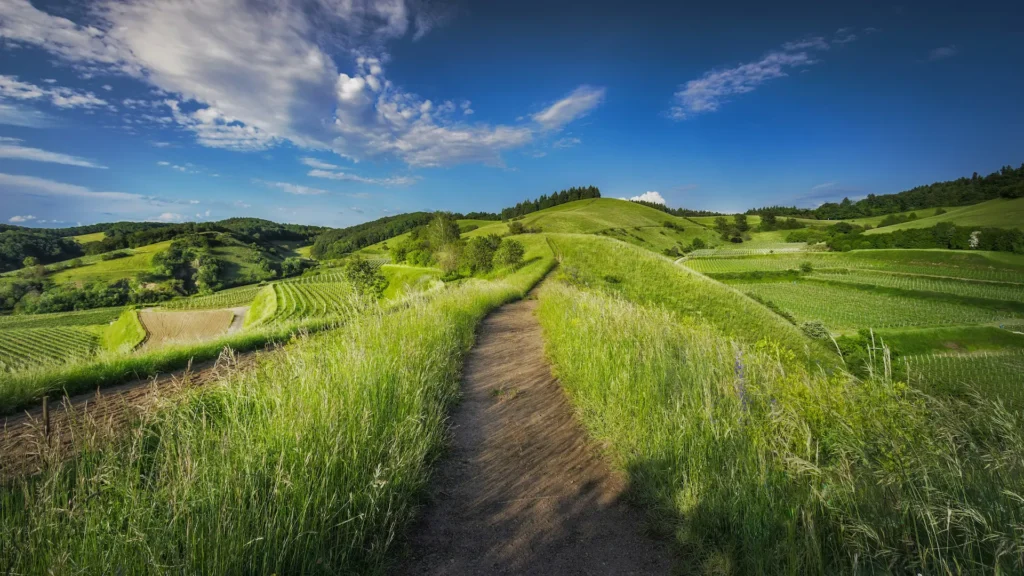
(998, 213)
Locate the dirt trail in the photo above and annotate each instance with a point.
(95, 416)
(238, 322)
(522, 491)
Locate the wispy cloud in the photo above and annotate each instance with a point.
(577, 104)
(15, 115)
(296, 189)
(714, 88)
(314, 163)
(47, 187)
(943, 52)
(20, 219)
(14, 151)
(566, 142)
(14, 89)
(390, 181)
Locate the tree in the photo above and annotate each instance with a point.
(510, 253)
(366, 279)
(442, 231)
(479, 253)
(515, 228)
(30, 262)
(741, 222)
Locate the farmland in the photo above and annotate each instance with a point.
(230, 298)
(21, 347)
(164, 328)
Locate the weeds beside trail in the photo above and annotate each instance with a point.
(307, 465)
(759, 463)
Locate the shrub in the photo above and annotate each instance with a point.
(366, 279)
(815, 329)
(510, 253)
(806, 267)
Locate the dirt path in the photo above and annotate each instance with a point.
(522, 491)
(95, 416)
(238, 322)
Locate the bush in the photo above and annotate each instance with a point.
(806, 267)
(366, 279)
(510, 253)
(479, 253)
(815, 329)
(115, 255)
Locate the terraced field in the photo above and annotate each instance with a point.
(230, 298)
(96, 317)
(25, 347)
(991, 290)
(993, 374)
(844, 309)
(297, 300)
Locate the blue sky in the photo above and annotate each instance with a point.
(335, 112)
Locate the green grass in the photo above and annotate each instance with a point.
(96, 270)
(754, 464)
(95, 317)
(262, 308)
(29, 348)
(998, 213)
(86, 238)
(957, 339)
(846, 309)
(589, 217)
(618, 268)
(310, 464)
(404, 279)
(125, 334)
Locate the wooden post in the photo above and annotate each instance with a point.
(46, 418)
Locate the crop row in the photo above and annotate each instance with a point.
(850, 308)
(990, 290)
(296, 301)
(22, 347)
(99, 316)
(993, 374)
(224, 299)
(935, 263)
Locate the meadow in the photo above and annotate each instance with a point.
(315, 458)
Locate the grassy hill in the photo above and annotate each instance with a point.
(93, 269)
(998, 213)
(86, 238)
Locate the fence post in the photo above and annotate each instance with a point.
(46, 418)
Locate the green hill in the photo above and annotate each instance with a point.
(998, 213)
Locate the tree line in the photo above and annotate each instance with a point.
(1007, 182)
(544, 201)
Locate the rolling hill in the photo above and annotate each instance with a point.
(998, 213)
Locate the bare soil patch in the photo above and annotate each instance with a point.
(522, 490)
(167, 327)
(95, 417)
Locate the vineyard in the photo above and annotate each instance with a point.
(990, 290)
(850, 309)
(99, 316)
(297, 300)
(230, 298)
(27, 347)
(993, 374)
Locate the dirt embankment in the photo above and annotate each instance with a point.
(522, 490)
(95, 417)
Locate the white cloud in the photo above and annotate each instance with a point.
(297, 189)
(943, 52)
(13, 89)
(710, 91)
(824, 186)
(390, 181)
(15, 115)
(577, 104)
(247, 76)
(17, 152)
(314, 163)
(649, 196)
(169, 217)
(19, 219)
(108, 87)
(566, 142)
(42, 186)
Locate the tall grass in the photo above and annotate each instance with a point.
(758, 464)
(310, 464)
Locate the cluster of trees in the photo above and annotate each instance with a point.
(338, 242)
(17, 244)
(439, 243)
(1008, 182)
(681, 212)
(66, 298)
(545, 201)
(736, 231)
(942, 235)
(770, 221)
(189, 260)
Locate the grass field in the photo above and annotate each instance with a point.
(96, 270)
(125, 334)
(404, 279)
(753, 464)
(589, 217)
(989, 374)
(998, 213)
(86, 238)
(95, 317)
(316, 459)
(990, 290)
